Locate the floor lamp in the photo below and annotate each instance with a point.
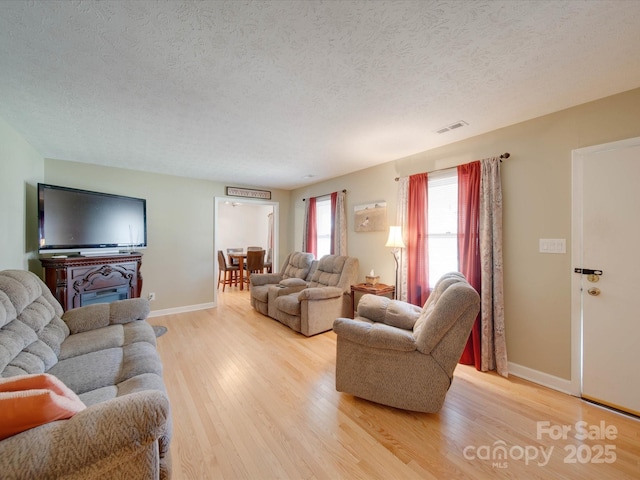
(395, 242)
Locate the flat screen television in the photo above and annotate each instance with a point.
(85, 222)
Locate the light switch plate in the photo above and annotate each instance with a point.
(553, 245)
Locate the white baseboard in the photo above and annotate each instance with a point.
(188, 308)
(550, 381)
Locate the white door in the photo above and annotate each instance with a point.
(606, 214)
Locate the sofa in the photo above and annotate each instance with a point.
(311, 308)
(296, 271)
(105, 355)
(404, 356)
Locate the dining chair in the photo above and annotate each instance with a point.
(253, 248)
(254, 264)
(227, 274)
(234, 261)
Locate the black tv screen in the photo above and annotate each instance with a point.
(72, 220)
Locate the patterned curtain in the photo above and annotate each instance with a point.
(310, 236)
(493, 341)
(401, 220)
(338, 224)
(270, 239)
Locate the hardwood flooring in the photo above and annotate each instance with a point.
(252, 399)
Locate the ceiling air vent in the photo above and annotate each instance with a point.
(453, 126)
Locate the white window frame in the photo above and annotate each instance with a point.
(442, 223)
(323, 225)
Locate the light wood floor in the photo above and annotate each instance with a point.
(252, 399)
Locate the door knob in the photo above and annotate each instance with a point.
(593, 291)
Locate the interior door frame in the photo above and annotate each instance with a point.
(577, 158)
(276, 229)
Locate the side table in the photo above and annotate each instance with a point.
(379, 289)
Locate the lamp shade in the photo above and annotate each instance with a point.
(395, 238)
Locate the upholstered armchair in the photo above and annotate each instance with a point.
(313, 308)
(296, 271)
(401, 355)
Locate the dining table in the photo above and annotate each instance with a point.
(240, 256)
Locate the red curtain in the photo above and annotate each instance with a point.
(312, 230)
(334, 204)
(469, 246)
(417, 241)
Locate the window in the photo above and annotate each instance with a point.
(442, 223)
(323, 225)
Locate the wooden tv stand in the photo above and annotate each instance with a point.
(77, 281)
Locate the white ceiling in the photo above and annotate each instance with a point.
(264, 93)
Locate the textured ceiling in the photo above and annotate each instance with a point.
(263, 93)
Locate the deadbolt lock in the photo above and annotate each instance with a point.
(593, 278)
(593, 291)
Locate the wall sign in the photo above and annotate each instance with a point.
(248, 193)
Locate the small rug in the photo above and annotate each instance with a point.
(159, 330)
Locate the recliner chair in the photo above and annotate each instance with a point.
(296, 270)
(312, 309)
(400, 355)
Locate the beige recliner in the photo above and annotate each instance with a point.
(296, 270)
(401, 355)
(312, 309)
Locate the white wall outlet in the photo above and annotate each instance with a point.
(151, 296)
(553, 245)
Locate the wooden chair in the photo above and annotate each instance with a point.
(233, 261)
(254, 264)
(230, 272)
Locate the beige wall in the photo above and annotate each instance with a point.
(537, 204)
(178, 265)
(21, 168)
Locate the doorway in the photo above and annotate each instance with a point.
(249, 216)
(605, 315)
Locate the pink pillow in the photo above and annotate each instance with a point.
(27, 401)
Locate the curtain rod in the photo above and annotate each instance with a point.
(504, 156)
(317, 196)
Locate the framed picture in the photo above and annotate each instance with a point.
(371, 217)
